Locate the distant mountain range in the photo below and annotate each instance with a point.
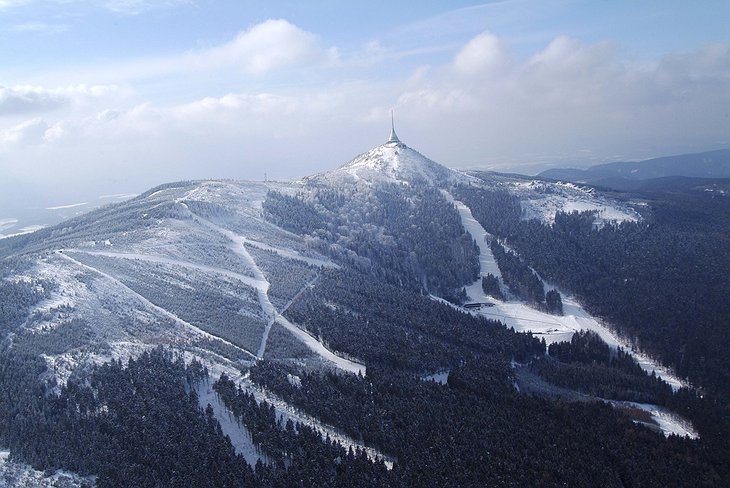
(710, 164)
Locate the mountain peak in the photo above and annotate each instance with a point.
(392, 162)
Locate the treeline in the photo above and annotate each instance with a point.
(520, 279)
(224, 308)
(384, 324)
(491, 287)
(286, 276)
(410, 236)
(478, 431)
(662, 282)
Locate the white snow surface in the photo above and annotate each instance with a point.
(239, 247)
(391, 163)
(669, 422)
(292, 254)
(13, 475)
(62, 207)
(230, 425)
(542, 200)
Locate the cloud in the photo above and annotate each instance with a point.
(28, 132)
(12, 3)
(25, 99)
(265, 48)
(482, 106)
(262, 48)
(480, 55)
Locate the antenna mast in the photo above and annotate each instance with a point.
(393, 136)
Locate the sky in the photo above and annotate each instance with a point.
(116, 96)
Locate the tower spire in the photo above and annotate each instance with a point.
(393, 136)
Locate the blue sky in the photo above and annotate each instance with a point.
(120, 95)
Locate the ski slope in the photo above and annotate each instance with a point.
(239, 247)
(552, 328)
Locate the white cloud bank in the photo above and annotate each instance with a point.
(24, 99)
(484, 106)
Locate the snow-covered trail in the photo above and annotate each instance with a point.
(487, 263)
(247, 280)
(552, 328)
(262, 287)
(292, 254)
(312, 343)
(159, 310)
(239, 247)
(284, 410)
(230, 425)
(669, 422)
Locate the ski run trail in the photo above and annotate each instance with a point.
(262, 288)
(239, 434)
(152, 306)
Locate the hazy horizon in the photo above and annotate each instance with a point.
(119, 96)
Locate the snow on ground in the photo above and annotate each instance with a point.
(70, 291)
(284, 410)
(61, 366)
(231, 426)
(288, 412)
(239, 247)
(14, 474)
(542, 200)
(391, 163)
(669, 423)
(292, 254)
(7, 223)
(247, 280)
(552, 328)
(319, 348)
(487, 262)
(62, 207)
(151, 306)
(118, 196)
(23, 230)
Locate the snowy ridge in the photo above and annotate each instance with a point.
(542, 200)
(393, 162)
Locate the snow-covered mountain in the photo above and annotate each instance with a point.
(138, 273)
(365, 265)
(392, 162)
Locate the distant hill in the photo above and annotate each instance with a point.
(711, 164)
